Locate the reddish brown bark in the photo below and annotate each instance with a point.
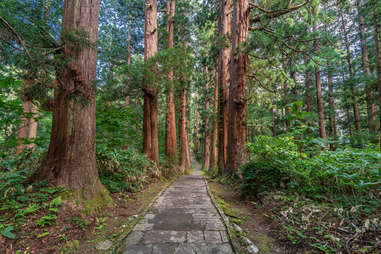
(237, 98)
(196, 138)
(273, 127)
(70, 160)
(378, 56)
(150, 128)
(224, 83)
(206, 144)
(183, 138)
(213, 152)
(332, 116)
(23, 128)
(371, 108)
(353, 88)
(307, 84)
(170, 122)
(319, 96)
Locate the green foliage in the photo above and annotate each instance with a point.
(349, 176)
(124, 170)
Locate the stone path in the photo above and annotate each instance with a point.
(183, 220)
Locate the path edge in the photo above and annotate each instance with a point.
(117, 246)
(225, 219)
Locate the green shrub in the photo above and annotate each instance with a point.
(124, 170)
(350, 176)
(260, 177)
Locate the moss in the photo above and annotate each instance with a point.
(70, 247)
(88, 205)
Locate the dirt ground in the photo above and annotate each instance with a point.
(247, 215)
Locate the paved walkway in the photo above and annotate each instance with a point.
(183, 220)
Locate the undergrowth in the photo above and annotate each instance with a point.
(327, 203)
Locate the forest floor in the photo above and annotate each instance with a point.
(247, 216)
(69, 231)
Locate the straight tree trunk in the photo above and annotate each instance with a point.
(307, 84)
(319, 96)
(353, 89)
(237, 99)
(224, 83)
(378, 57)
(213, 153)
(150, 127)
(347, 109)
(206, 145)
(70, 161)
(286, 101)
(23, 128)
(32, 124)
(273, 127)
(332, 117)
(188, 158)
(170, 121)
(129, 47)
(183, 138)
(371, 108)
(196, 140)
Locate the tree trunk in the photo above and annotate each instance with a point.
(70, 160)
(196, 140)
(378, 57)
(170, 121)
(213, 153)
(273, 128)
(237, 99)
(319, 96)
(32, 124)
(206, 145)
(223, 83)
(23, 128)
(183, 139)
(353, 89)
(332, 117)
(347, 109)
(188, 158)
(307, 84)
(371, 108)
(150, 128)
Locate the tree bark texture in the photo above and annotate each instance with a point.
(237, 98)
(70, 160)
(150, 124)
(319, 96)
(371, 108)
(353, 88)
(378, 57)
(183, 138)
(213, 152)
(170, 120)
(332, 116)
(224, 27)
(206, 145)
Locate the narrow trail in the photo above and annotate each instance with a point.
(182, 220)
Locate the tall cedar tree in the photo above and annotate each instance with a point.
(206, 147)
(224, 31)
(150, 124)
(237, 99)
(70, 160)
(213, 151)
(170, 122)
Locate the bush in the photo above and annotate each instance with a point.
(124, 170)
(261, 177)
(350, 176)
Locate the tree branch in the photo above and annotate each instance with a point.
(21, 41)
(274, 14)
